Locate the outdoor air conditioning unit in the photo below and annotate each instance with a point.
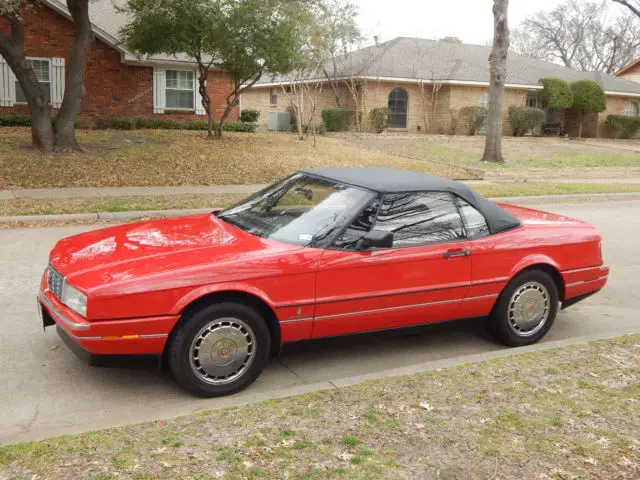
(279, 121)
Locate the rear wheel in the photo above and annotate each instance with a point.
(219, 349)
(525, 310)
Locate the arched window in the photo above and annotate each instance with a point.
(398, 101)
(631, 110)
(484, 102)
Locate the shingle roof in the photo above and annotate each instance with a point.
(107, 21)
(422, 59)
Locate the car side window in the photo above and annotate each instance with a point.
(420, 218)
(474, 222)
(358, 228)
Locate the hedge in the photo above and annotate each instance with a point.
(472, 118)
(380, 119)
(524, 119)
(621, 126)
(556, 93)
(249, 115)
(338, 119)
(25, 121)
(141, 123)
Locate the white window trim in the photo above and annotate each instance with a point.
(194, 90)
(49, 62)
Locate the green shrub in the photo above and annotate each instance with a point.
(472, 118)
(25, 121)
(380, 119)
(15, 121)
(556, 93)
(141, 123)
(621, 126)
(588, 96)
(249, 115)
(524, 119)
(338, 119)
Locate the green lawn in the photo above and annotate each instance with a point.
(525, 152)
(570, 413)
(168, 202)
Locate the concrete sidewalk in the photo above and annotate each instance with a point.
(84, 192)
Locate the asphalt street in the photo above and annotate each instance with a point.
(45, 390)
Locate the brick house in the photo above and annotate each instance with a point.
(401, 74)
(117, 82)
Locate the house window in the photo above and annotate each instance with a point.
(42, 69)
(484, 102)
(398, 106)
(180, 90)
(631, 110)
(273, 96)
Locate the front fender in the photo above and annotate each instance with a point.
(202, 291)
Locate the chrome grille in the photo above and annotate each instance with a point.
(55, 282)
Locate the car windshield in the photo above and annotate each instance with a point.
(301, 210)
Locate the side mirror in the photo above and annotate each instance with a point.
(375, 239)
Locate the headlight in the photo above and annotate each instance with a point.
(74, 299)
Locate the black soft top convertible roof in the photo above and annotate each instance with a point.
(389, 180)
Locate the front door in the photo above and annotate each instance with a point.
(423, 278)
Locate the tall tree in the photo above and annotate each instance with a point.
(632, 5)
(174, 27)
(498, 75)
(334, 33)
(44, 136)
(257, 36)
(583, 35)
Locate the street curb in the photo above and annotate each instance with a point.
(127, 216)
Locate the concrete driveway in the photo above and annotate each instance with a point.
(45, 390)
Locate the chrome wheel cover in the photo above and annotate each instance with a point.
(222, 351)
(529, 309)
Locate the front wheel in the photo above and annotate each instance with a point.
(219, 350)
(525, 310)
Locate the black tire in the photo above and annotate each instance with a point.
(180, 344)
(499, 324)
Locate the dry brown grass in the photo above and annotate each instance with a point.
(561, 414)
(173, 158)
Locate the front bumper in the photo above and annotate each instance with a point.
(135, 336)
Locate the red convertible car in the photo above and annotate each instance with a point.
(323, 252)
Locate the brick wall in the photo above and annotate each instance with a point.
(112, 87)
(259, 98)
(615, 106)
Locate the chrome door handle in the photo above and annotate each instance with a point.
(457, 253)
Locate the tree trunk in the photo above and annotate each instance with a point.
(206, 100)
(334, 84)
(580, 125)
(498, 69)
(12, 49)
(225, 115)
(74, 86)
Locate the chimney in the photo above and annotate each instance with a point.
(376, 39)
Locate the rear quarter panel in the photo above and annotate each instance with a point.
(497, 259)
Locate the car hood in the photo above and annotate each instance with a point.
(130, 251)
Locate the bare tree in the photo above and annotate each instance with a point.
(12, 46)
(580, 35)
(633, 6)
(429, 84)
(498, 75)
(333, 34)
(353, 71)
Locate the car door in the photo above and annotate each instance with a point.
(423, 278)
